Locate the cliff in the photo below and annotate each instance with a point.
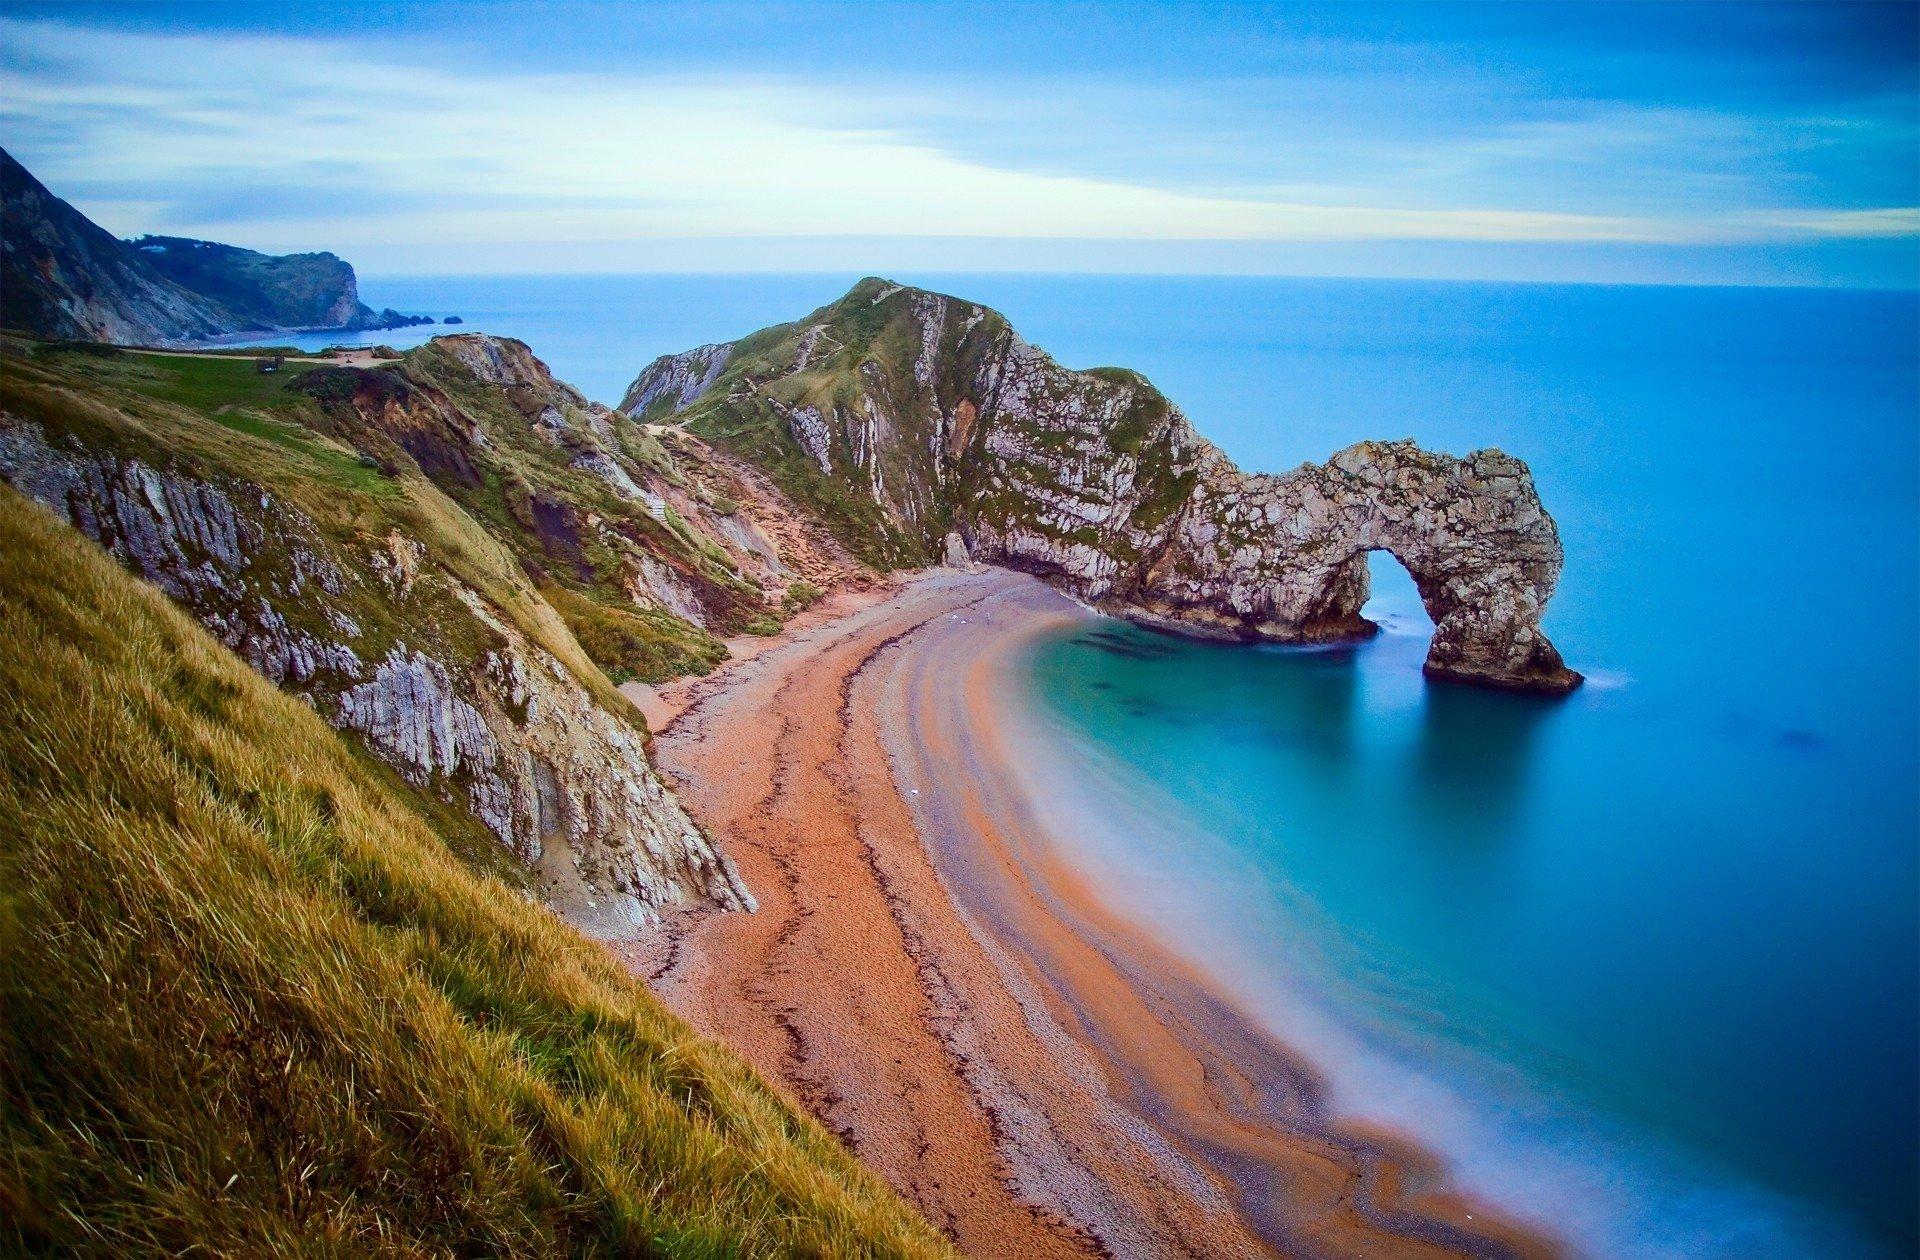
(902, 417)
(269, 292)
(650, 544)
(306, 526)
(254, 1007)
(63, 276)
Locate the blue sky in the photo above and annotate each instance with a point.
(1701, 143)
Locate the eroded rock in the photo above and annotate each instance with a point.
(949, 423)
(388, 646)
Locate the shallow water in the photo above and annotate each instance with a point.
(1645, 959)
(1643, 962)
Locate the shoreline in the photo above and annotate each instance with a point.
(931, 977)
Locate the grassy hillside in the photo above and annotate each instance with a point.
(359, 486)
(897, 414)
(220, 420)
(859, 357)
(250, 1004)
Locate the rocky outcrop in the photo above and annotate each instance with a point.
(903, 416)
(433, 678)
(675, 380)
(1284, 557)
(588, 497)
(63, 276)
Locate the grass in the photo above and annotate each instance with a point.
(203, 384)
(634, 642)
(251, 1005)
(519, 465)
(354, 506)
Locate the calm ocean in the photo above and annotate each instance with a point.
(1643, 962)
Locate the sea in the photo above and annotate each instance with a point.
(1643, 964)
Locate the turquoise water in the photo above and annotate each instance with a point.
(1658, 941)
(1643, 962)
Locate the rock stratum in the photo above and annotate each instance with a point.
(903, 417)
(452, 558)
(62, 275)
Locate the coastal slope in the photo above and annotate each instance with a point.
(920, 425)
(254, 1005)
(441, 557)
(64, 276)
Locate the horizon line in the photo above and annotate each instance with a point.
(364, 275)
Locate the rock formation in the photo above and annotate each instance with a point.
(396, 617)
(902, 416)
(62, 275)
(587, 498)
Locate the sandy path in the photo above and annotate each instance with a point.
(932, 982)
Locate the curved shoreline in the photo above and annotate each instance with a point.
(935, 982)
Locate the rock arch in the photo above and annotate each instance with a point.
(1095, 481)
(1284, 558)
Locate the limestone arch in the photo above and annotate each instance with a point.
(1284, 557)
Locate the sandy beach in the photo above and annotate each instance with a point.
(929, 975)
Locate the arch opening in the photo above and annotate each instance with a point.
(1394, 602)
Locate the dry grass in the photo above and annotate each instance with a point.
(249, 1005)
(315, 473)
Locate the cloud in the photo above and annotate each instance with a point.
(281, 142)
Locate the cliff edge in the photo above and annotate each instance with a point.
(304, 524)
(64, 276)
(903, 417)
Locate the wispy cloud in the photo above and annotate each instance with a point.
(299, 141)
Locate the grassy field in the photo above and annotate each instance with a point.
(251, 1005)
(203, 384)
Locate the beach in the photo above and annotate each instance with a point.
(931, 977)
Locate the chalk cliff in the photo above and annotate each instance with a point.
(902, 416)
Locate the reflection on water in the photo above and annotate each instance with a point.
(1474, 758)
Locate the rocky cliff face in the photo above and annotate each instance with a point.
(902, 416)
(650, 543)
(396, 616)
(61, 275)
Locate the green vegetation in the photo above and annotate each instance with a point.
(354, 509)
(251, 1005)
(1165, 496)
(204, 384)
(260, 290)
(644, 644)
(866, 355)
(800, 596)
(520, 492)
(575, 532)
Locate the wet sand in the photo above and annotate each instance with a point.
(931, 978)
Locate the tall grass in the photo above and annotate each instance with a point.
(249, 1004)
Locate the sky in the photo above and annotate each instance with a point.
(1643, 143)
